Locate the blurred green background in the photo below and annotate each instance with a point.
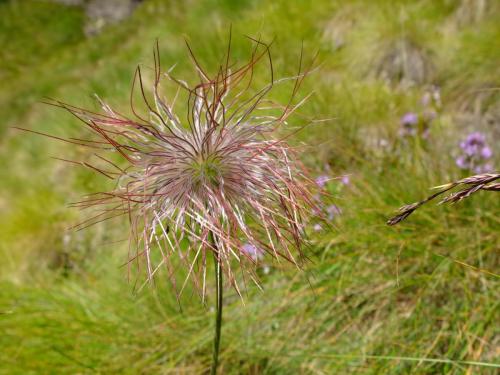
(402, 82)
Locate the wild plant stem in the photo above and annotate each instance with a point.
(218, 312)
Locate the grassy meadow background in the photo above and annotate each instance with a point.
(419, 298)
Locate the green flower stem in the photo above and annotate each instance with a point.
(218, 311)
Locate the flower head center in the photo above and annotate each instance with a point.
(207, 171)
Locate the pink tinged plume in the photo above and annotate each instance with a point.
(213, 180)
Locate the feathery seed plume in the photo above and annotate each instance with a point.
(216, 180)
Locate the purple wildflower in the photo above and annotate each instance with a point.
(345, 180)
(462, 163)
(409, 118)
(252, 251)
(488, 168)
(333, 211)
(322, 180)
(408, 124)
(475, 151)
(485, 168)
(473, 144)
(486, 152)
(317, 227)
